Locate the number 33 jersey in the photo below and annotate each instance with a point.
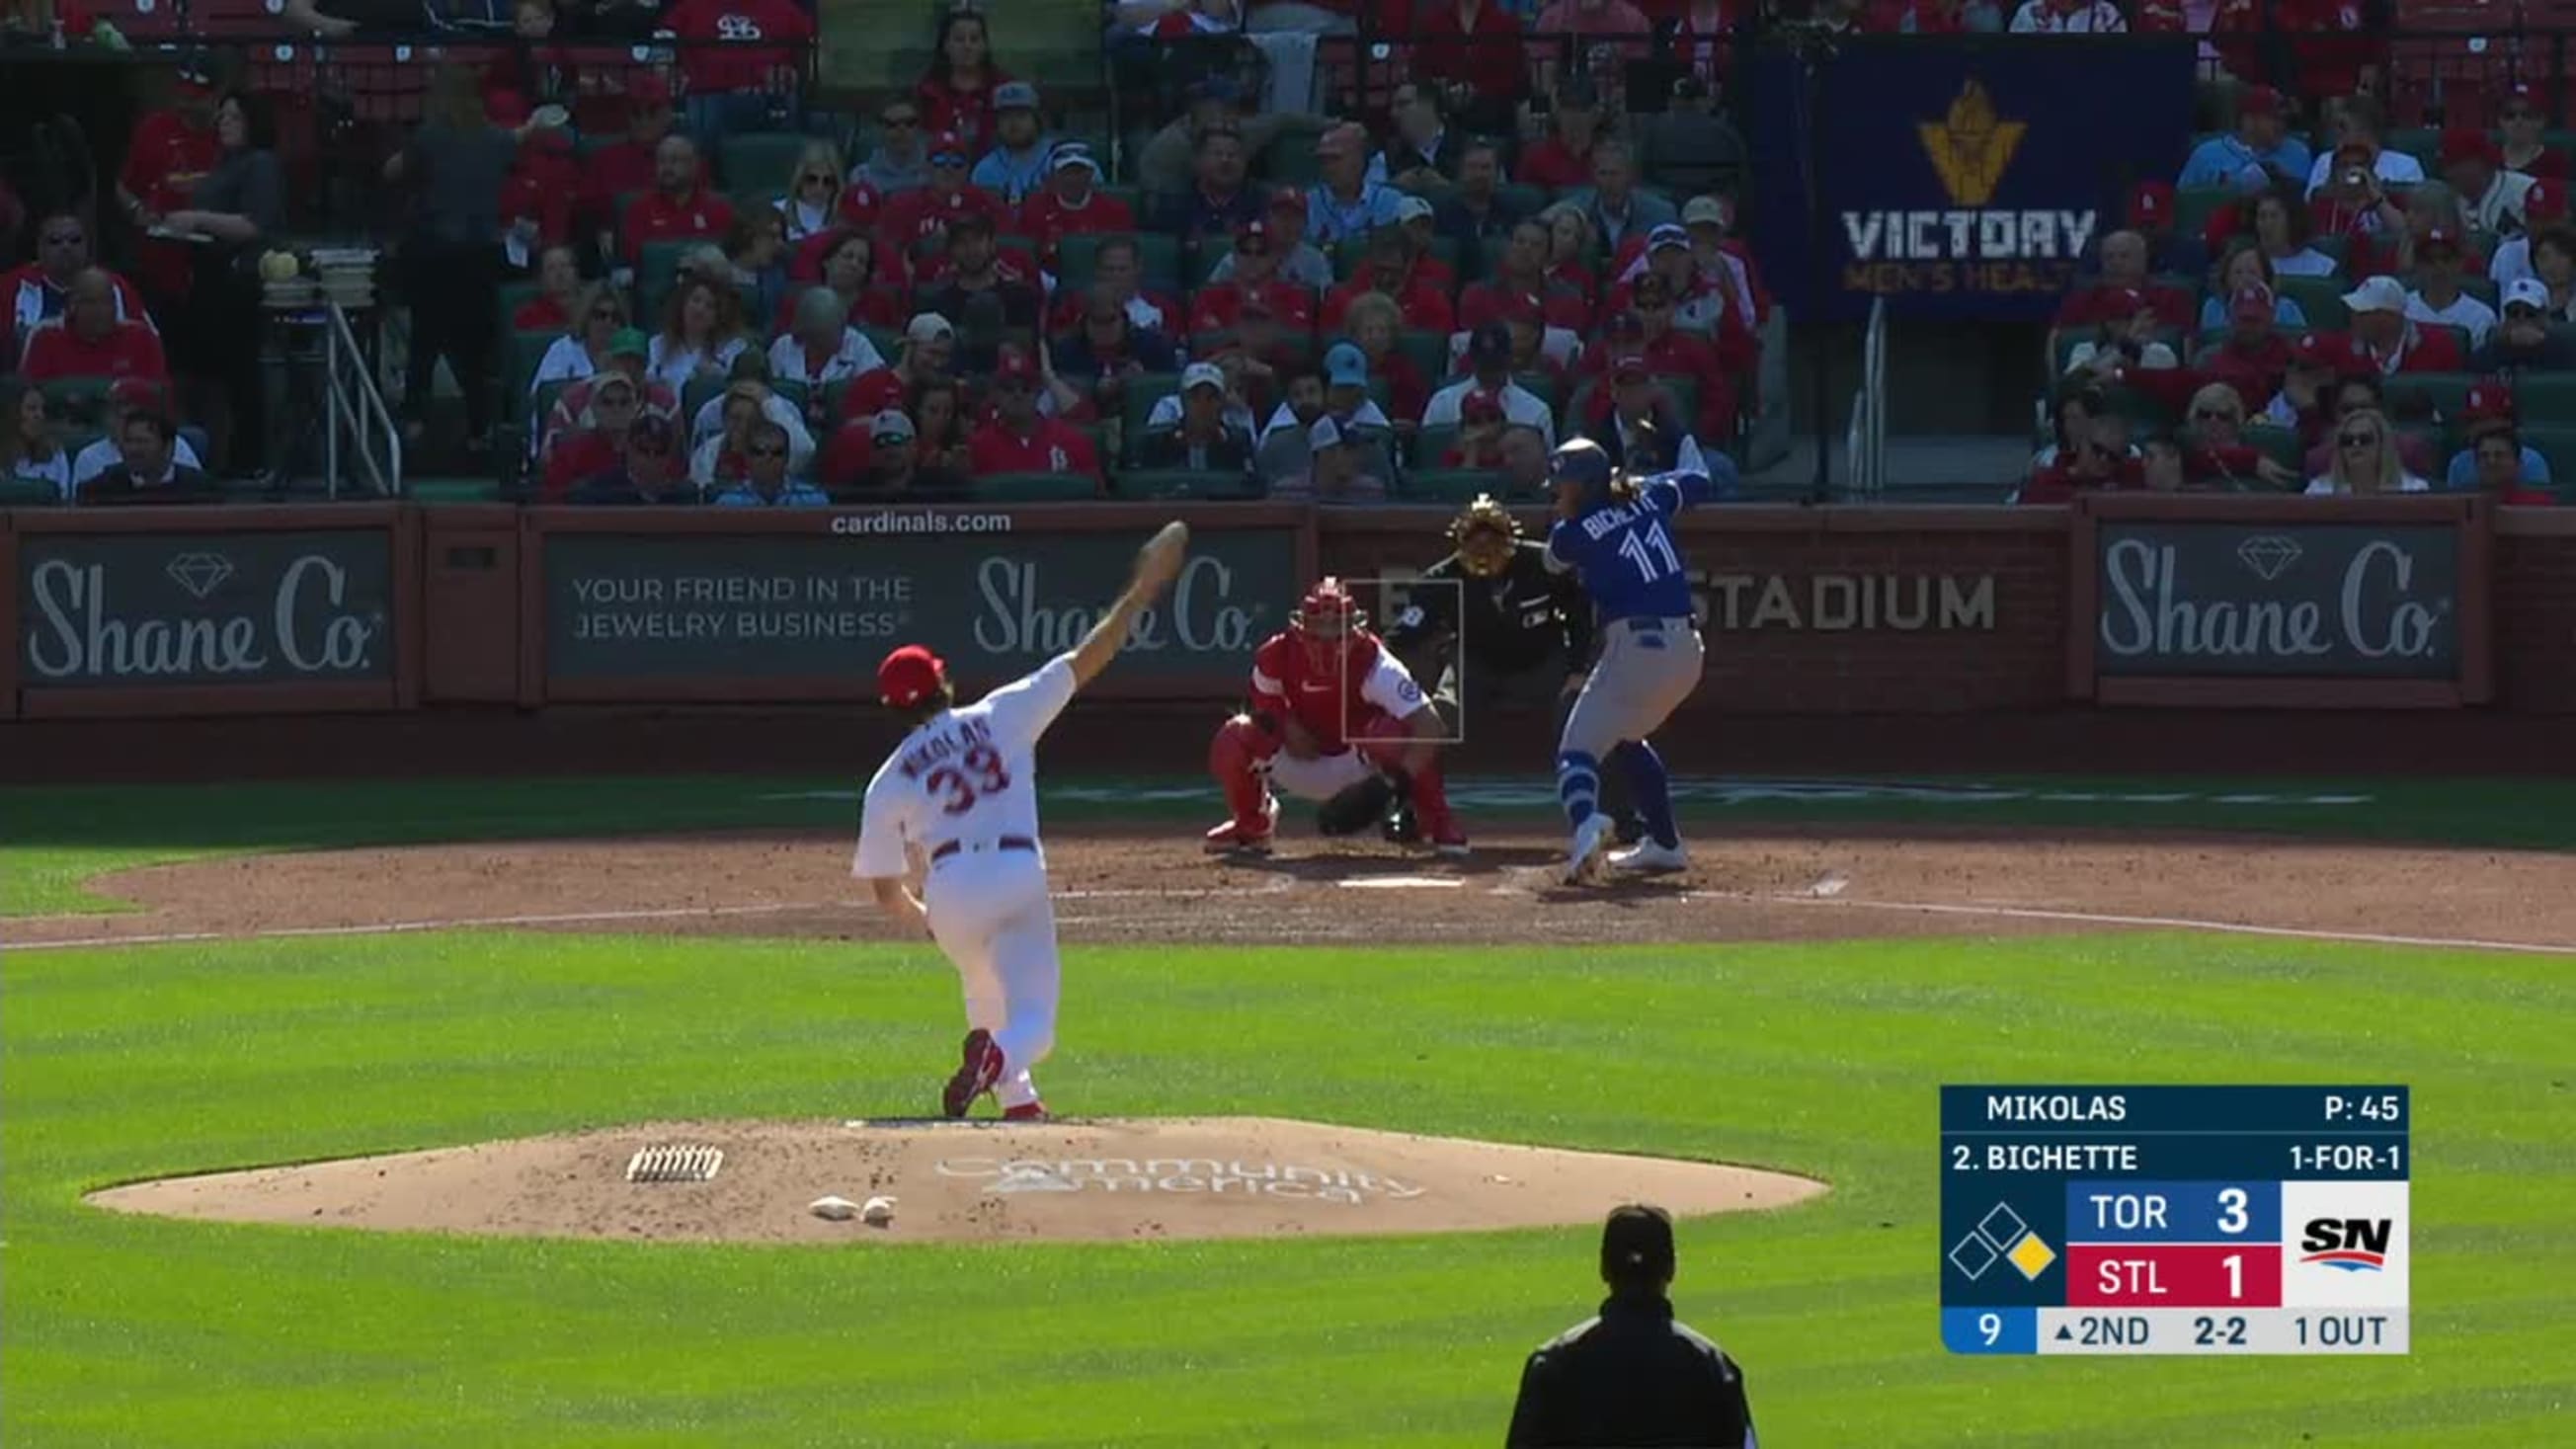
(1625, 554)
(969, 774)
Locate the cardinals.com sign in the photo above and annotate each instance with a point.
(1957, 177)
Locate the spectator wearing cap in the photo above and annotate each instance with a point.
(1637, 422)
(720, 433)
(2522, 339)
(90, 340)
(148, 470)
(124, 399)
(1344, 464)
(1702, 305)
(1415, 225)
(1109, 351)
(679, 207)
(2437, 297)
(2358, 141)
(169, 151)
(766, 481)
(1020, 439)
(1168, 165)
(2491, 196)
(2150, 213)
(1474, 46)
(1479, 440)
(1476, 214)
(2254, 356)
(2329, 47)
(1489, 358)
(1421, 152)
(1672, 352)
(820, 346)
(1562, 159)
(916, 218)
(2544, 205)
(956, 93)
(1071, 204)
(2430, 209)
(628, 166)
(2243, 266)
(1253, 271)
(1197, 429)
(595, 438)
(2387, 341)
(1340, 388)
(1118, 270)
(929, 352)
(2486, 410)
(41, 290)
(900, 160)
(1219, 201)
(1613, 204)
(875, 456)
(1016, 166)
(1374, 324)
(2115, 289)
(1519, 277)
(742, 69)
(1299, 262)
(647, 473)
(976, 267)
(2069, 17)
(1615, 20)
(2526, 147)
(1259, 354)
(1388, 270)
(2093, 453)
(2256, 155)
(1345, 202)
(1633, 1374)
(1710, 221)
(2319, 362)
(625, 356)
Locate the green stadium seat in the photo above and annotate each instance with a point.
(2142, 409)
(700, 392)
(2545, 397)
(1204, 485)
(2557, 443)
(1033, 488)
(655, 270)
(759, 162)
(1136, 403)
(27, 493)
(2337, 246)
(2281, 445)
(2194, 206)
(438, 491)
(2321, 298)
(1525, 199)
(2415, 396)
(1447, 485)
(1433, 443)
(527, 349)
(1428, 350)
(1546, 385)
(1290, 160)
(2424, 143)
(513, 296)
(77, 401)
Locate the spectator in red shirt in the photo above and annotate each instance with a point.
(170, 151)
(1373, 323)
(679, 207)
(540, 197)
(957, 94)
(2330, 47)
(1413, 222)
(1071, 205)
(2108, 297)
(41, 290)
(2254, 357)
(1259, 355)
(91, 341)
(1594, 20)
(628, 167)
(1255, 274)
(1474, 46)
(929, 351)
(2431, 209)
(1670, 352)
(559, 293)
(1520, 276)
(847, 265)
(976, 267)
(1019, 439)
(1479, 441)
(596, 438)
(1700, 304)
(2525, 150)
(1389, 270)
(917, 218)
(1118, 270)
(2386, 341)
(734, 80)
(1563, 158)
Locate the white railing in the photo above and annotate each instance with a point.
(357, 409)
(1865, 441)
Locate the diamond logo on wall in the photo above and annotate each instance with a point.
(199, 573)
(2269, 555)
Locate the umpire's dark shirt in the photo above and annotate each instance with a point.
(1512, 622)
(1631, 1379)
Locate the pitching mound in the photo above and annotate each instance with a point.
(1226, 1177)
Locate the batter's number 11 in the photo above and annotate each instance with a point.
(1646, 548)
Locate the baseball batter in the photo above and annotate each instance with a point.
(1334, 716)
(958, 801)
(1614, 532)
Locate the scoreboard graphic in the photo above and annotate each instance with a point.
(2174, 1220)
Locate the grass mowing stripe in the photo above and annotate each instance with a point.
(1822, 1057)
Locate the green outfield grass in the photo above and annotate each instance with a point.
(52, 840)
(138, 1062)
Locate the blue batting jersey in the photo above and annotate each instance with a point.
(1625, 554)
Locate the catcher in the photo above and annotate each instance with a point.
(1333, 717)
(1502, 633)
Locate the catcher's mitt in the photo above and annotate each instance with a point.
(1359, 806)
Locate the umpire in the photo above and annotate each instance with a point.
(1632, 1377)
(1502, 633)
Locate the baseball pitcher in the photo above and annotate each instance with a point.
(1333, 717)
(958, 801)
(1614, 533)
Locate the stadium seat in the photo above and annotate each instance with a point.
(1428, 350)
(2415, 396)
(2546, 397)
(79, 402)
(27, 493)
(701, 391)
(760, 162)
(654, 273)
(1446, 485)
(2194, 206)
(2321, 298)
(2337, 246)
(1136, 403)
(527, 349)
(2279, 444)
(1433, 443)
(1206, 485)
(1158, 260)
(1033, 488)
(2557, 443)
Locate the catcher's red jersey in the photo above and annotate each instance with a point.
(1361, 679)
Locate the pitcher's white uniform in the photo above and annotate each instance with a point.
(961, 791)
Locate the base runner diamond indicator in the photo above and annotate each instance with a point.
(2032, 1256)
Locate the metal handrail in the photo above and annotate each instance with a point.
(340, 342)
(1865, 438)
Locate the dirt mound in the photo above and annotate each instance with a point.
(1192, 1177)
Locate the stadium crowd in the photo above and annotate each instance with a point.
(681, 282)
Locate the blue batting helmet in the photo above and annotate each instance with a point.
(1580, 461)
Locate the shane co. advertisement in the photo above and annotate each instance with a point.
(2367, 601)
(122, 610)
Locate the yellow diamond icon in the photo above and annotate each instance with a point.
(2032, 1256)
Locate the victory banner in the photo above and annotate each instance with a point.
(1958, 177)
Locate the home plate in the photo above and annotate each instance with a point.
(1403, 883)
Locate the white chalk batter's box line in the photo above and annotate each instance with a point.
(1722, 790)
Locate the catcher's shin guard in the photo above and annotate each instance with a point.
(1385, 741)
(1235, 758)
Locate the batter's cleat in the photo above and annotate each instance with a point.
(980, 1068)
(1591, 839)
(1234, 837)
(1650, 858)
(1025, 1112)
(1629, 830)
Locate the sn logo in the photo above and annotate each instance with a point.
(2356, 1245)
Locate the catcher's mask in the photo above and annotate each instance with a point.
(1484, 534)
(1326, 619)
